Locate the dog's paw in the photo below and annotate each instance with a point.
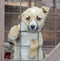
(13, 34)
(33, 48)
(32, 53)
(34, 44)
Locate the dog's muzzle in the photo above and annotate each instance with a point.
(32, 26)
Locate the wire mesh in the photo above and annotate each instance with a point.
(50, 32)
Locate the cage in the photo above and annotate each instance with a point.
(50, 32)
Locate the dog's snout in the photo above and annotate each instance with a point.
(32, 26)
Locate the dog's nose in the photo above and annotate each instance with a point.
(32, 26)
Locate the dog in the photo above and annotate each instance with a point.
(26, 44)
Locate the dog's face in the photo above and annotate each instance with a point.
(34, 17)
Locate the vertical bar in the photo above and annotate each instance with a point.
(30, 3)
(39, 47)
(54, 3)
(1, 30)
(55, 19)
(20, 32)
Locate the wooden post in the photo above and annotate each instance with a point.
(54, 55)
(1, 30)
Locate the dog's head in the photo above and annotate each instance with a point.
(34, 17)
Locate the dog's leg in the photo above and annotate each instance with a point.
(12, 38)
(13, 33)
(32, 53)
(33, 48)
(40, 39)
(41, 56)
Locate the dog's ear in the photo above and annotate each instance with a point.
(45, 9)
(19, 18)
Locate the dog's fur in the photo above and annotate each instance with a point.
(32, 20)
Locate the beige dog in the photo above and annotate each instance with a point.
(32, 20)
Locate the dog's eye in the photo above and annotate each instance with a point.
(28, 18)
(38, 18)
